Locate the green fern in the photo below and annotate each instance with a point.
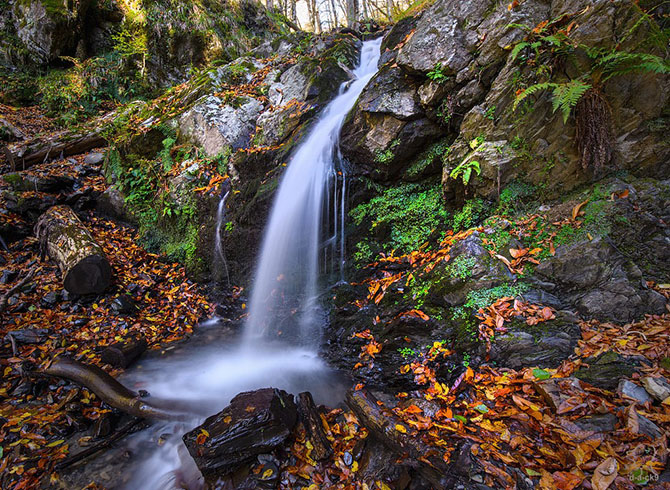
(621, 63)
(518, 48)
(565, 95)
(532, 90)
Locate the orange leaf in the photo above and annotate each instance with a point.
(576, 211)
(516, 253)
(566, 481)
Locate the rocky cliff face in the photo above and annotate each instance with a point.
(454, 72)
(522, 116)
(163, 37)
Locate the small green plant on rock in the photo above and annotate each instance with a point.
(438, 73)
(407, 352)
(464, 171)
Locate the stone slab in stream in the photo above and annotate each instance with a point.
(254, 423)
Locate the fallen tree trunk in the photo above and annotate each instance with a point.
(81, 260)
(42, 151)
(383, 425)
(310, 418)
(109, 390)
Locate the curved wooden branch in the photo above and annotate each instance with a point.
(109, 389)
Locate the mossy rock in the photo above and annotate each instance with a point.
(607, 369)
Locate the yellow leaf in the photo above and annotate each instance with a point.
(267, 474)
(56, 443)
(401, 428)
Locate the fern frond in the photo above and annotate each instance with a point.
(553, 40)
(567, 95)
(531, 90)
(518, 48)
(621, 63)
(523, 27)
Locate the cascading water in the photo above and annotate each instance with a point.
(220, 265)
(287, 273)
(283, 299)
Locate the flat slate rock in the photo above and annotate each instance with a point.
(254, 423)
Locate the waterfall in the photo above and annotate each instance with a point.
(285, 283)
(220, 265)
(307, 218)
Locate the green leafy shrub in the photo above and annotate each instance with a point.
(84, 89)
(464, 170)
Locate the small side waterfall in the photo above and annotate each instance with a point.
(285, 284)
(220, 264)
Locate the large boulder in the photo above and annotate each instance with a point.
(214, 125)
(600, 282)
(388, 125)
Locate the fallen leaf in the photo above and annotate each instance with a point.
(605, 474)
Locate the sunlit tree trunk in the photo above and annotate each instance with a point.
(352, 12)
(333, 8)
(294, 12)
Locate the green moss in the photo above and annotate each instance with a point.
(470, 214)
(461, 266)
(482, 298)
(15, 180)
(54, 8)
(426, 159)
(514, 197)
(402, 218)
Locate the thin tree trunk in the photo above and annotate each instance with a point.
(294, 13)
(334, 10)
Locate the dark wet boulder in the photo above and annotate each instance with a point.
(254, 423)
(600, 282)
(605, 370)
(546, 344)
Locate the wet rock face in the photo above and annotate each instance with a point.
(254, 423)
(546, 344)
(49, 29)
(549, 156)
(214, 125)
(600, 282)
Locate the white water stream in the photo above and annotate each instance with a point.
(282, 306)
